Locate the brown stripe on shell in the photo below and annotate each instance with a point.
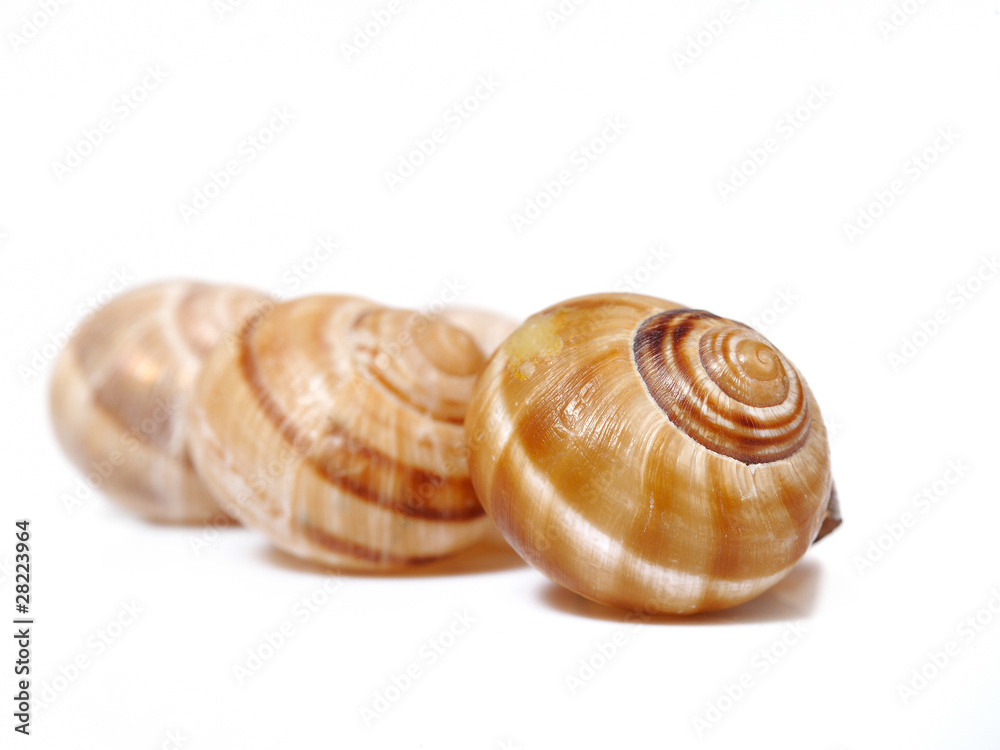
(143, 369)
(606, 495)
(734, 553)
(660, 520)
(425, 362)
(260, 390)
(206, 314)
(135, 368)
(341, 546)
(160, 435)
(699, 400)
(158, 439)
(387, 383)
(134, 403)
(671, 512)
(118, 349)
(352, 466)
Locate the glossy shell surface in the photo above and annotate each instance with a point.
(649, 456)
(336, 427)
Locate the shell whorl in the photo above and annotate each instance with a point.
(433, 374)
(335, 427)
(647, 455)
(722, 384)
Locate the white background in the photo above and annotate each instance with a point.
(895, 426)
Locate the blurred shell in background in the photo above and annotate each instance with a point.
(120, 387)
(336, 427)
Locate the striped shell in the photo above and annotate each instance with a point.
(119, 391)
(336, 427)
(649, 456)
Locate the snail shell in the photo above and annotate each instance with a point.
(649, 456)
(119, 391)
(336, 427)
(488, 328)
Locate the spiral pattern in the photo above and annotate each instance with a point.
(335, 427)
(629, 448)
(722, 384)
(435, 375)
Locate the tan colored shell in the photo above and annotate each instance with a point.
(336, 428)
(649, 456)
(119, 390)
(487, 327)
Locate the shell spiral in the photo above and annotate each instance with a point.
(723, 384)
(336, 428)
(120, 387)
(649, 456)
